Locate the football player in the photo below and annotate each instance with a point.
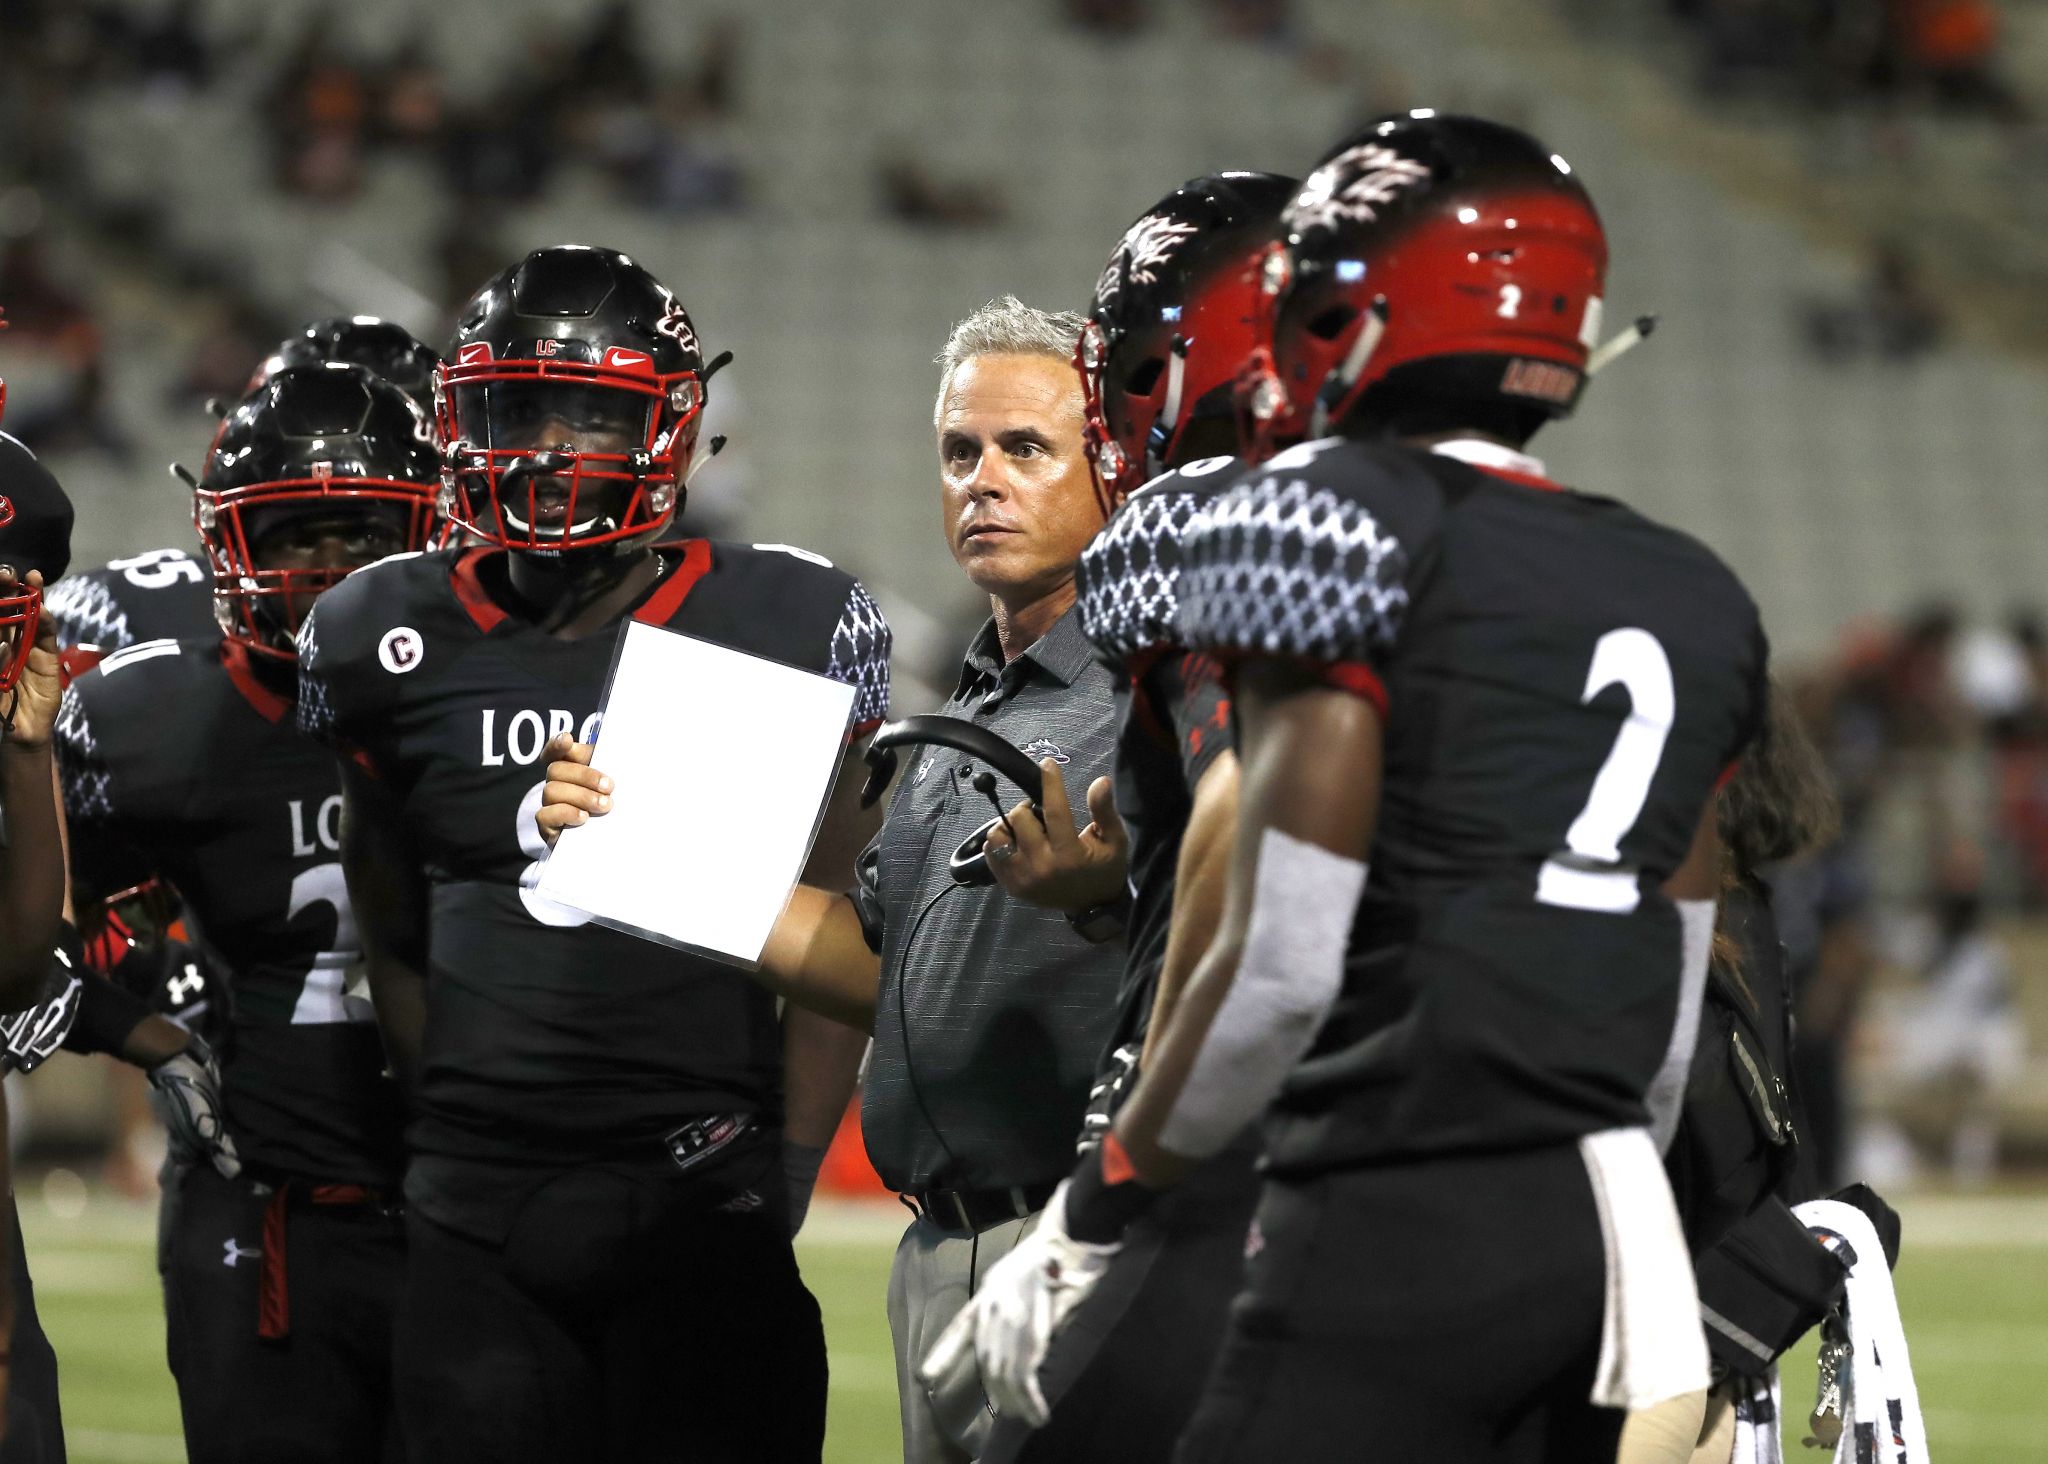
(1480, 721)
(134, 936)
(35, 535)
(599, 1217)
(167, 592)
(181, 760)
(35, 542)
(1170, 325)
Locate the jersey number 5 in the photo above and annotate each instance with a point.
(1587, 874)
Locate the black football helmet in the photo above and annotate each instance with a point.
(388, 349)
(333, 443)
(1437, 267)
(1172, 321)
(570, 403)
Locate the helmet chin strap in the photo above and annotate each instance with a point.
(1161, 435)
(1621, 344)
(1338, 384)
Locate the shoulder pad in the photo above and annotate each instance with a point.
(1127, 581)
(861, 646)
(1307, 556)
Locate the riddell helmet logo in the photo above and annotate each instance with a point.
(1543, 380)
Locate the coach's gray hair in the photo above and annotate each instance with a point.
(1007, 327)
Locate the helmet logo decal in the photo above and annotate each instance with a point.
(1353, 185)
(474, 351)
(547, 347)
(1544, 380)
(1145, 247)
(401, 650)
(675, 324)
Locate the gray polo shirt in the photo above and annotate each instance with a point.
(992, 1013)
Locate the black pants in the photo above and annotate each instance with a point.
(35, 1424)
(320, 1392)
(1427, 1312)
(1127, 1370)
(622, 1319)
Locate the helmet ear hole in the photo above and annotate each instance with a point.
(1329, 324)
(1144, 376)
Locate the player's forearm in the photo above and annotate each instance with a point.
(400, 996)
(1306, 812)
(817, 958)
(1201, 880)
(31, 871)
(820, 1062)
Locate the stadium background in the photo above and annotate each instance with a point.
(1838, 209)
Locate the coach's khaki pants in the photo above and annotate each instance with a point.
(934, 1273)
(1693, 1428)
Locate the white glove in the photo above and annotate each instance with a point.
(1010, 1322)
(185, 1092)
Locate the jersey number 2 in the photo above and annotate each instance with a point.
(1588, 873)
(325, 997)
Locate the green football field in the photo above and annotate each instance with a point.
(1973, 1286)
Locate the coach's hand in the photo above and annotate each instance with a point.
(576, 792)
(1008, 1325)
(1053, 864)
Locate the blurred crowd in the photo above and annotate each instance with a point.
(1946, 53)
(1910, 936)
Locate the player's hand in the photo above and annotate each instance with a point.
(576, 792)
(1050, 862)
(37, 693)
(185, 1092)
(1009, 1324)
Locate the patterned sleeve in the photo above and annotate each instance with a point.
(87, 614)
(102, 857)
(1127, 577)
(861, 644)
(316, 698)
(82, 773)
(1286, 566)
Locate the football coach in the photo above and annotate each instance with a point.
(989, 1015)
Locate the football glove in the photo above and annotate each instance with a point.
(1009, 1324)
(185, 1092)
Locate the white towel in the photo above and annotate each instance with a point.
(1758, 1438)
(1651, 1344)
(1882, 1410)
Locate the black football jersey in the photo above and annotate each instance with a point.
(550, 1040)
(159, 594)
(179, 760)
(1172, 711)
(1562, 684)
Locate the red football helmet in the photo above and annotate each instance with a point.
(1173, 317)
(1439, 259)
(570, 341)
(333, 444)
(21, 608)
